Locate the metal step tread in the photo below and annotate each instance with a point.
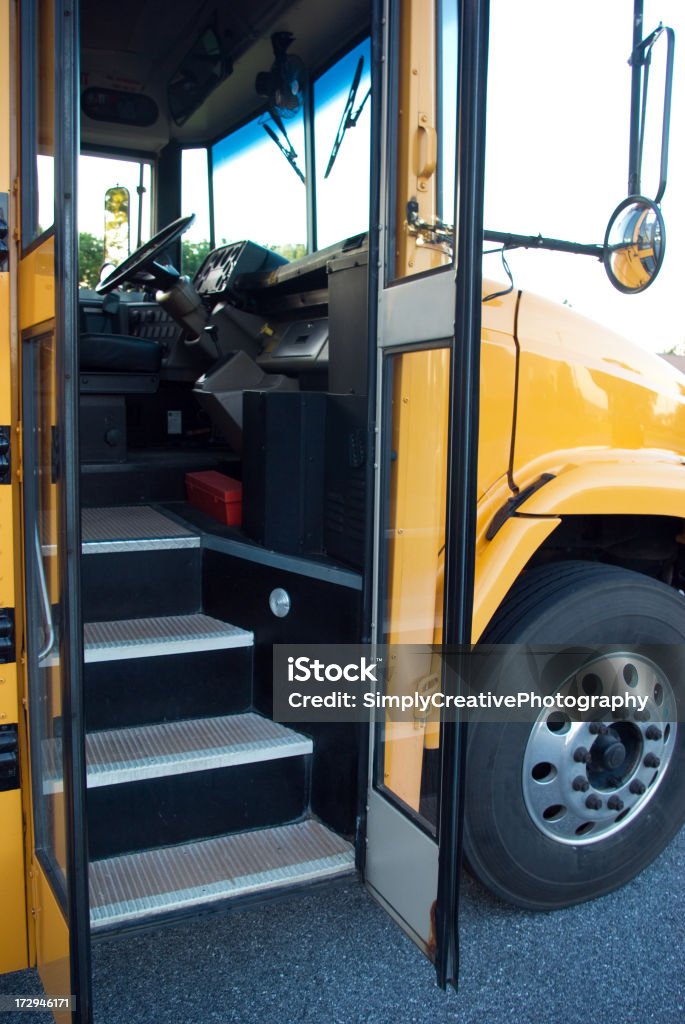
(192, 745)
(141, 885)
(174, 748)
(132, 528)
(171, 634)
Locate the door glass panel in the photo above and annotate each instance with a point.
(407, 764)
(447, 109)
(43, 596)
(37, 120)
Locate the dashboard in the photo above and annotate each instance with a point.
(220, 269)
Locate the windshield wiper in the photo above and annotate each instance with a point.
(348, 119)
(288, 151)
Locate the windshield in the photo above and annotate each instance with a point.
(342, 196)
(257, 193)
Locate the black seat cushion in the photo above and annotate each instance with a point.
(119, 353)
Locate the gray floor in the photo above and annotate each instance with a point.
(333, 957)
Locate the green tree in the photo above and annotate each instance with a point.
(91, 254)
(193, 254)
(291, 251)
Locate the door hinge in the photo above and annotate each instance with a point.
(5, 455)
(7, 653)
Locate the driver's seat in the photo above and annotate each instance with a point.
(118, 353)
(111, 366)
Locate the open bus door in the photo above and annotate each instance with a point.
(428, 329)
(47, 323)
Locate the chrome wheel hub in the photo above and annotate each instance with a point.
(585, 780)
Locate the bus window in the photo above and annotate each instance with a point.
(258, 191)
(97, 174)
(342, 146)
(195, 199)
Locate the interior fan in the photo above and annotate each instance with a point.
(283, 86)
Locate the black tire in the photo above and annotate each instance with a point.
(575, 603)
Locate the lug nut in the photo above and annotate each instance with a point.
(652, 761)
(614, 803)
(582, 755)
(581, 784)
(598, 728)
(637, 787)
(653, 732)
(593, 802)
(641, 716)
(613, 782)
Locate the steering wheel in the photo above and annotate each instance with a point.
(143, 266)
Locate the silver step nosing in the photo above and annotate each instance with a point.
(326, 867)
(209, 760)
(151, 649)
(105, 547)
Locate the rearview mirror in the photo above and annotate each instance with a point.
(634, 244)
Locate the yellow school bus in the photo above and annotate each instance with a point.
(256, 395)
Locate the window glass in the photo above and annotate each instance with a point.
(447, 109)
(38, 119)
(342, 146)
(195, 199)
(258, 191)
(97, 175)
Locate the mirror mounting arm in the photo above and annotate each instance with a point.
(513, 241)
(640, 60)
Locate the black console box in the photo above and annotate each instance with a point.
(304, 473)
(283, 469)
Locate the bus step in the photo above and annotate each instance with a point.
(119, 756)
(141, 886)
(132, 528)
(138, 562)
(154, 637)
(183, 781)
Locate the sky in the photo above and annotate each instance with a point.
(557, 152)
(556, 162)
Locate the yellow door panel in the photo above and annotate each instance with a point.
(52, 937)
(13, 939)
(37, 285)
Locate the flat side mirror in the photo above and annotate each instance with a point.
(634, 244)
(117, 230)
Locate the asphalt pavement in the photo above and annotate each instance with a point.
(332, 956)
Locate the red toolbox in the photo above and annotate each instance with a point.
(217, 495)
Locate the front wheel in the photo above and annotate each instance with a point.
(562, 811)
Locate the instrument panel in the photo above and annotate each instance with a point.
(217, 275)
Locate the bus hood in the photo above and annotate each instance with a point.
(582, 387)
